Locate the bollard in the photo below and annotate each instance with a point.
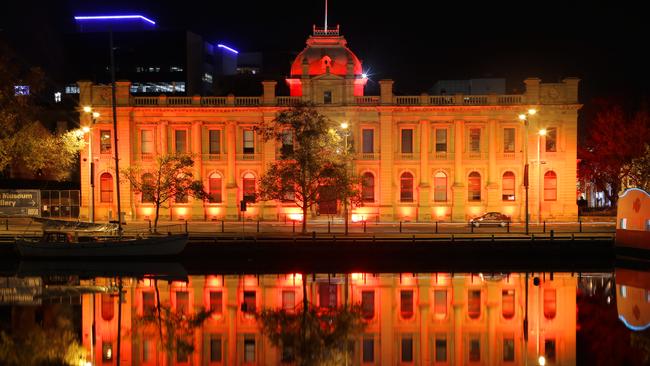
(436, 227)
(471, 227)
(7, 224)
(294, 226)
(258, 225)
(544, 226)
(364, 226)
(149, 226)
(313, 235)
(580, 222)
(186, 230)
(552, 234)
(508, 227)
(223, 226)
(329, 230)
(400, 226)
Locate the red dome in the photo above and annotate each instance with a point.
(324, 51)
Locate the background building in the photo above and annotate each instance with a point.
(424, 157)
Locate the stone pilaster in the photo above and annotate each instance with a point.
(196, 141)
(459, 192)
(492, 186)
(232, 206)
(424, 196)
(386, 152)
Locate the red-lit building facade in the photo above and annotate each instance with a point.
(423, 157)
(412, 319)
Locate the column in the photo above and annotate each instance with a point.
(458, 302)
(386, 196)
(492, 186)
(424, 211)
(196, 140)
(232, 206)
(232, 294)
(459, 190)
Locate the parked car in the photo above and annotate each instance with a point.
(490, 219)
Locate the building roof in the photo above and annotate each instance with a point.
(326, 48)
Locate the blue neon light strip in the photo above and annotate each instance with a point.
(228, 48)
(633, 327)
(118, 17)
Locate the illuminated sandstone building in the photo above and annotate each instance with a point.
(412, 319)
(423, 157)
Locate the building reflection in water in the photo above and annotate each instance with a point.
(412, 319)
(633, 298)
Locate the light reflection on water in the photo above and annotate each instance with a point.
(419, 319)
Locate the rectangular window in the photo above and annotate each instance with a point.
(549, 349)
(216, 302)
(249, 302)
(441, 349)
(551, 139)
(475, 140)
(327, 295)
(440, 304)
(508, 193)
(368, 137)
(180, 141)
(148, 303)
(508, 140)
(407, 141)
(146, 141)
(214, 147)
(368, 350)
(215, 349)
(249, 350)
(549, 303)
(147, 350)
(508, 303)
(182, 302)
(474, 304)
(368, 304)
(249, 142)
(406, 304)
(105, 142)
(474, 349)
(327, 97)
(249, 189)
(441, 140)
(288, 300)
(287, 142)
(440, 187)
(107, 351)
(407, 349)
(509, 350)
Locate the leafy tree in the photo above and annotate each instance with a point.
(640, 170)
(614, 141)
(313, 336)
(23, 139)
(170, 178)
(311, 160)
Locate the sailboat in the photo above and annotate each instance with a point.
(64, 241)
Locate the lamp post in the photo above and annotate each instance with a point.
(541, 133)
(524, 118)
(91, 164)
(344, 127)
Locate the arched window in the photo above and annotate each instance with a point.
(214, 186)
(368, 187)
(508, 186)
(248, 187)
(550, 304)
(440, 187)
(406, 187)
(108, 310)
(147, 188)
(550, 186)
(474, 186)
(106, 188)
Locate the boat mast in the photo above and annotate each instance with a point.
(113, 105)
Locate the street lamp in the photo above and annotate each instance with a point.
(541, 133)
(344, 127)
(524, 118)
(91, 166)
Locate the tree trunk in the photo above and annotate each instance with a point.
(155, 283)
(345, 213)
(304, 218)
(155, 223)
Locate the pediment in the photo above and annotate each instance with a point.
(328, 77)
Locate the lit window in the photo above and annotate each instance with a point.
(147, 350)
(249, 304)
(148, 303)
(57, 97)
(21, 90)
(441, 349)
(106, 188)
(368, 304)
(474, 304)
(508, 303)
(440, 304)
(176, 69)
(406, 187)
(148, 188)
(550, 306)
(368, 350)
(287, 143)
(215, 142)
(216, 302)
(368, 141)
(107, 351)
(551, 139)
(508, 140)
(108, 309)
(407, 141)
(182, 302)
(146, 139)
(474, 186)
(407, 349)
(508, 186)
(406, 304)
(327, 97)
(180, 140)
(440, 187)
(508, 350)
(207, 77)
(327, 295)
(549, 349)
(248, 183)
(288, 300)
(214, 186)
(475, 140)
(72, 89)
(550, 186)
(249, 350)
(249, 142)
(474, 349)
(441, 140)
(368, 187)
(215, 349)
(105, 142)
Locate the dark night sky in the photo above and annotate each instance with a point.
(414, 43)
